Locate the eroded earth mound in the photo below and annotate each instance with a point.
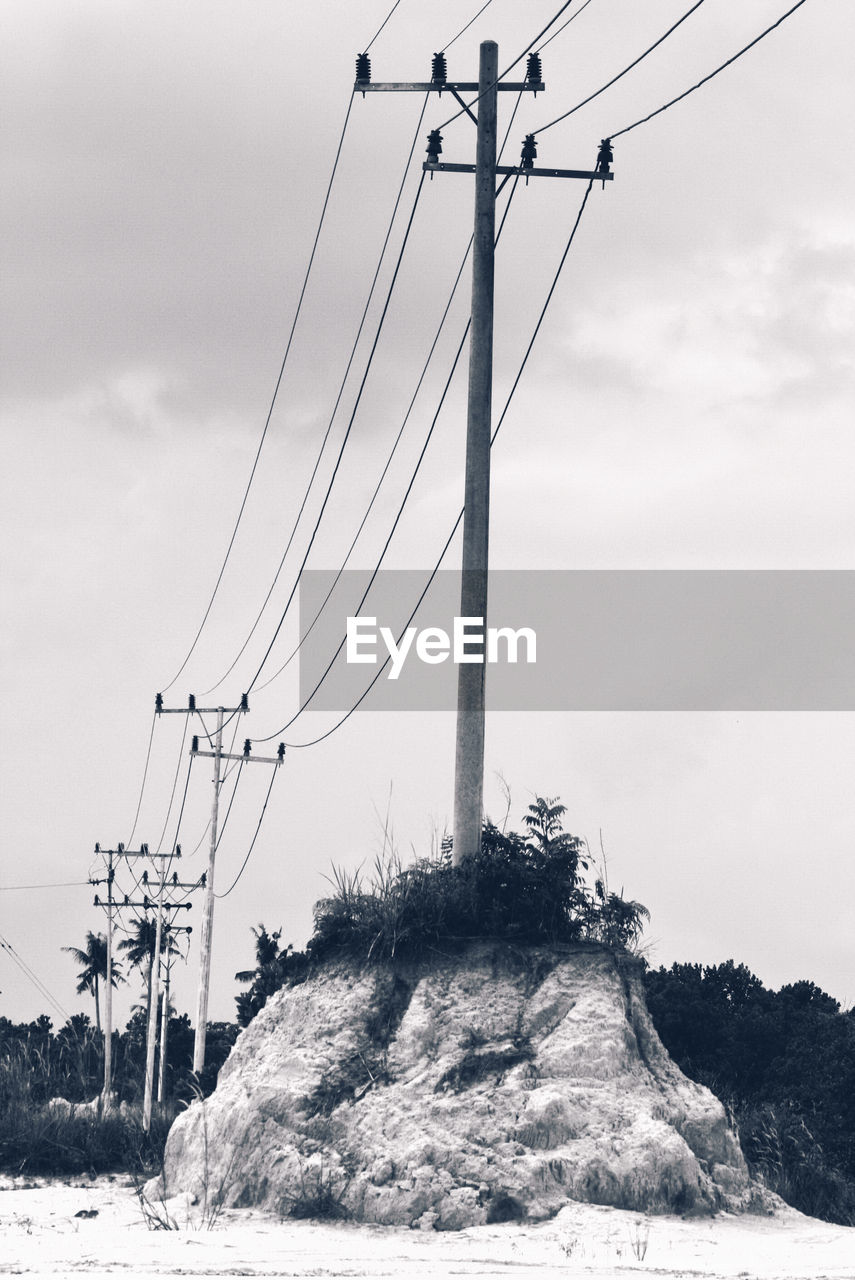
(492, 1084)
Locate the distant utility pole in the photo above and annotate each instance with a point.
(217, 755)
(471, 702)
(208, 912)
(108, 855)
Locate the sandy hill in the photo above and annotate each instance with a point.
(497, 1083)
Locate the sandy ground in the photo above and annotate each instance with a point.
(97, 1228)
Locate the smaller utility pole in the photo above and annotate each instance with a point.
(245, 757)
(218, 755)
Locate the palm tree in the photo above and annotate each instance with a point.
(140, 950)
(94, 961)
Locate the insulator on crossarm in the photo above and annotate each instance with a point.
(363, 70)
(191, 702)
(158, 702)
(244, 702)
(247, 747)
(178, 851)
(438, 69)
(605, 156)
(194, 744)
(280, 752)
(534, 70)
(145, 877)
(434, 146)
(529, 152)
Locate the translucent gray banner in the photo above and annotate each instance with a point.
(604, 640)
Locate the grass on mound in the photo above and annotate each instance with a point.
(529, 887)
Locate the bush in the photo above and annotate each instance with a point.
(525, 888)
(785, 1063)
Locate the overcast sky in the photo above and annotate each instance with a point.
(688, 405)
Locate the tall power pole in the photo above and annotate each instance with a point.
(471, 676)
(471, 685)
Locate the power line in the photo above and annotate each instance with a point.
(686, 93)
(563, 26)
(321, 737)
(466, 107)
(145, 776)
(174, 785)
(446, 47)
(395, 443)
(335, 406)
(252, 844)
(29, 973)
(272, 402)
(384, 472)
(382, 25)
(63, 884)
(620, 74)
(346, 434)
(406, 496)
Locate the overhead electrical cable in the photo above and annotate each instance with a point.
(383, 474)
(145, 776)
(174, 785)
(231, 802)
(445, 48)
(620, 74)
(321, 737)
(332, 417)
(308, 630)
(254, 838)
(382, 25)
(272, 402)
(62, 884)
(402, 505)
(33, 977)
(686, 92)
(563, 27)
(346, 434)
(468, 105)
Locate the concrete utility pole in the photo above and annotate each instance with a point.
(107, 1095)
(208, 918)
(471, 686)
(153, 1004)
(208, 914)
(471, 676)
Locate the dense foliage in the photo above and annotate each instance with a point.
(38, 1066)
(527, 887)
(785, 1064)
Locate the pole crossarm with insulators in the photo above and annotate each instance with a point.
(471, 689)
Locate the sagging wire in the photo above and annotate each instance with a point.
(321, 737)
(382, 25)
(346, 434)
(308, 630)
(405, 499)
(130, 839)
(231, 543)
(334, 413)
(447, 46)
(712, 74)
(254, 838)
(621, 74)
(467, 106)
(563, 26)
